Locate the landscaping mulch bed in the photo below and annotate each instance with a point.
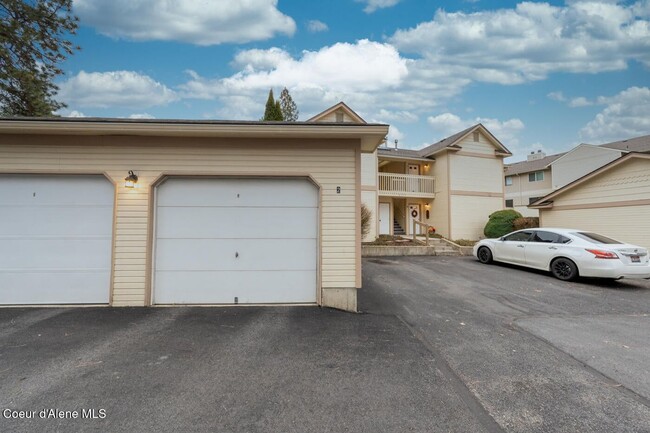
(394, 241)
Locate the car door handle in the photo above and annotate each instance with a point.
(520, 246)
(552, 248)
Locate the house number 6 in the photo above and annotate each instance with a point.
(338, 190)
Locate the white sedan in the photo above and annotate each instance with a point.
(567, 254)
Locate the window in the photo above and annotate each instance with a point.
(510, 203)
(596, 238)
(550, 238)
(532, 200)
(519, 236)
(476, 136)
(508, 180)
(536, 176)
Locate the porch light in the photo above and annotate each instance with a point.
(130, 180)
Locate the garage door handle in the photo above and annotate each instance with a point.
(520, 246)
(236, 254)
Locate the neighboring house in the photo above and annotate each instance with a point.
(153, 212)
(613, 200)
(529, 180)
(452, 185)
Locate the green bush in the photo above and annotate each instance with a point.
(526, 223)
(501, 223)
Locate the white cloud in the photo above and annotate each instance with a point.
(394, 134)
(507, 131)
(192, 21)
(316, 26)
(373, 5)
(74, 113)
(397, 116)
(580, 101)
(114, 89)
(141, 116)
(511, 46)
(557, 96)
(361, 74)
(626, 115)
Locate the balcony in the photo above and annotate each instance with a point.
(406, 185)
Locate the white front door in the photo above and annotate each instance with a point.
(414, 169)
(228, 241)
(414, 214)
(56, 235)
(384, 218)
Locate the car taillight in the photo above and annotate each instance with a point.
(602, 254)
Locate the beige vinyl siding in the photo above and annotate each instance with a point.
(522, 190)
(482, 146)
(369, 169)
(397, 167)
(625, 182)
(440, 205)
(330, 163)
(580, 161)
(613, 203)
(476, 174)
(470, 214)
(331, 117)
(627, 224)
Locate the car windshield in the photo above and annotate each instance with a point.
(595, 237)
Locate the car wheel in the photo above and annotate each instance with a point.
(484, 255)
(564, 269)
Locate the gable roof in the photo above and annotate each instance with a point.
(528, 166)
(450, 142)
(340, 106)
(547, 202)
(370, 135)
(637, 144)
(408, 154)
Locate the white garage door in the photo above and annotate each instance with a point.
(225, 241)
(55, 239)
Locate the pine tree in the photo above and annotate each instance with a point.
(33, 44)
(289, 108)
(272, 112)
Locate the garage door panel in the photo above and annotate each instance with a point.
(224, 192)
(36, 254)
(54, 287)
(236, 222)
(50, 221)
(221, 287)
(220, 254)
(254, 239)
(55, 239)
(44, 190)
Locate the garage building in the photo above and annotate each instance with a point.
(148, 212)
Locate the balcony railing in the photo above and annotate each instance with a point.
(406, 185)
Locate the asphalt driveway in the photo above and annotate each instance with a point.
(538, 354)
(444, 344)
(302, 369)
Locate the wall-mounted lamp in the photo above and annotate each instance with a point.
(426, 166)
(130, 180)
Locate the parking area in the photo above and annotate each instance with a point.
(442, 344)
(538, 354)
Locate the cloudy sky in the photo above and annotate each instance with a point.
(539, 75)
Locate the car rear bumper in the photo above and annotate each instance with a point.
(603, 268)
